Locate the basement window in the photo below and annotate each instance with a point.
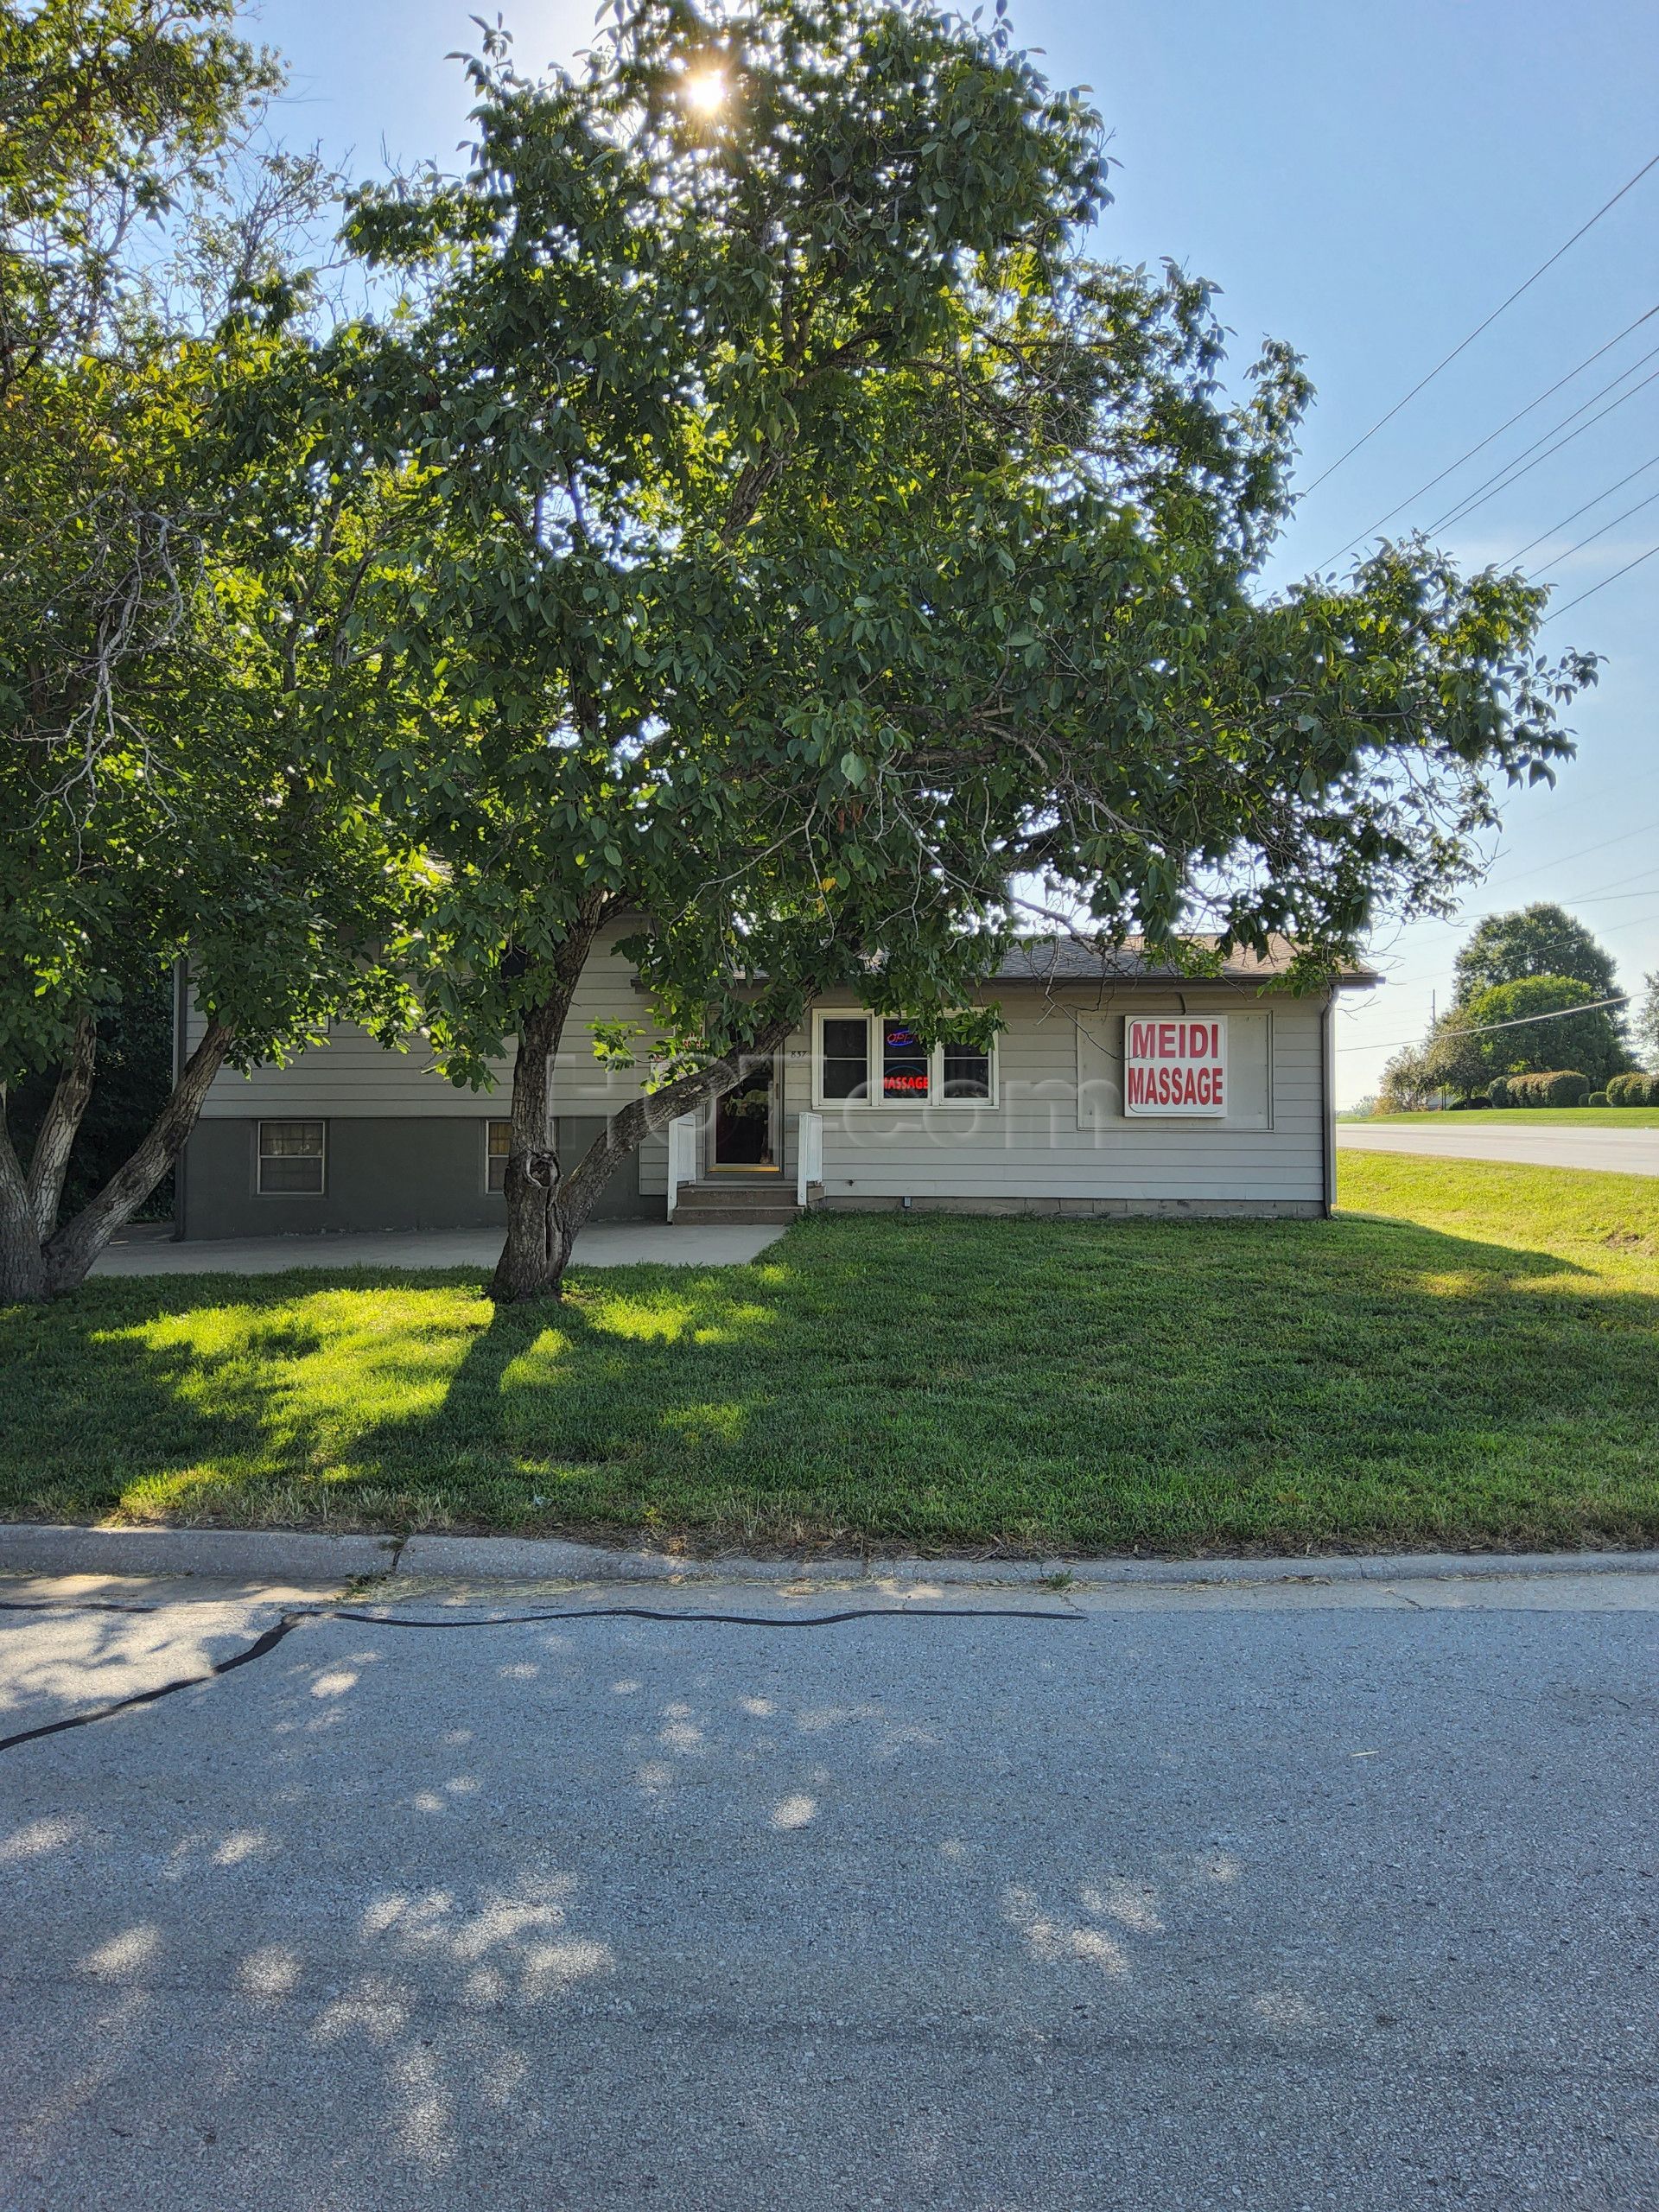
(497, 1143)
(291, 1156)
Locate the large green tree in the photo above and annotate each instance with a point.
(1507, 1027)
(820, 547)
(173, 591)
(1537, 940)
(1646, 1024)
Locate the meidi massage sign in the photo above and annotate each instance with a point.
(1175, 1067)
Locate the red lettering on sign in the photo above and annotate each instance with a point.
(1174, 1066)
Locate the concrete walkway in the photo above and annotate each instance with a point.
(605, 1245)
(742, 1900)
(1621, 1152)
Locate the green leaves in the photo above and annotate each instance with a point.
(805, 548)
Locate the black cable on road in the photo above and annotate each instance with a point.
(257, 1650)
(267, 1641)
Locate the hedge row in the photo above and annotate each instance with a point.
(1635, 1089)
(1555, 1087)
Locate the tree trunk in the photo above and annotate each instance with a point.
(56, 1138)
(534, 1266)
(532, 1260)
(534, 1255)
(22, 1272)
(63, 1258)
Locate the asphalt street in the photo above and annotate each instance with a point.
(1620, 1152)
(1327, 1897)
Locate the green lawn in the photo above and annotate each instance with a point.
(1470, 1354)
(1524, 1117)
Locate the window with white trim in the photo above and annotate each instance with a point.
(497, 1143)
(876, 1060)
(291, 1159)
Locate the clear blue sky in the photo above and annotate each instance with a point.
(1367, 179)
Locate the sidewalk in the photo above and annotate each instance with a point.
(605, 1245)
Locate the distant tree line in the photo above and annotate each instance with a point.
(1519, 983)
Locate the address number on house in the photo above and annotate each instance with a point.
(1175, 1067)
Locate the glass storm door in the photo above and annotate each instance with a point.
(743, 1122)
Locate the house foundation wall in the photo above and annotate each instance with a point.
(380, 1173)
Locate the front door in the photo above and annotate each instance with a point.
(743, 1122)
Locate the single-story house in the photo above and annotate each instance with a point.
(1116, 1086)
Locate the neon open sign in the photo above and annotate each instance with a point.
(1175, 1068)
(904, 1072)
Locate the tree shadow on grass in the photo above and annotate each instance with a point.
(957, 1382)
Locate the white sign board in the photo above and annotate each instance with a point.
(1175, 1067)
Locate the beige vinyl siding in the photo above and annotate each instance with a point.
(351, 1075)
(1052, 1137)
(1058, 1131)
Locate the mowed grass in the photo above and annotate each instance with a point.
(1520, 1117)
(1468, 1355)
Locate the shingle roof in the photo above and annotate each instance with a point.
(1063, 959)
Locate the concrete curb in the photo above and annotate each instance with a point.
(231, 1554)
(509, 1559)
(277, 1555)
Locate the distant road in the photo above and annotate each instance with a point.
(1622, 1152)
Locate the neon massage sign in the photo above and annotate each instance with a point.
(904, 1062)
(1175, 1068)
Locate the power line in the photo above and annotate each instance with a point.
(1602, 586)
(1554, 431)
(1593, 899)
(1560, 860)
(1584, 852)
(1511, 473)
(1593, 536)
(1484, 1028)
(1452, 467)
(1464, 343)
(1584, 510)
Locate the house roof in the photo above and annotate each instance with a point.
(1068, 959)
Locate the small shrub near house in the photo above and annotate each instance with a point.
(1634, 1089)
(1597, 1098)
(1551, 1087)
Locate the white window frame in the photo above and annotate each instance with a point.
(935, 1096)
(271, 1121)
(493, 1122)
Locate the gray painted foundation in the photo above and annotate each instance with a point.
(381, 1172)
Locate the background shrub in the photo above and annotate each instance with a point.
(1498, 1094)
(1597, 1098)
(1550, 1087)
(1633, 1089)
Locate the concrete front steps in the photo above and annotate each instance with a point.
(760, 1202)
